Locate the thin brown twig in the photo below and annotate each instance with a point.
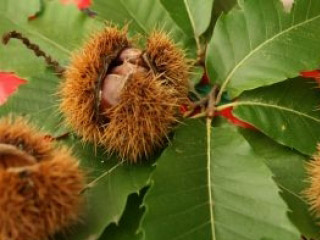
(211, 108)
(35, 48)
(201, 54)
(304, 238)
(62, 136)
(89, 12)
(208, 102)
(57, 138)
(193, 105)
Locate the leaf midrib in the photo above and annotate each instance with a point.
(212, 220)
(134, 18)
(289, 191)
(237, 66)
(282, 108)
(193, 25)
(190, 17)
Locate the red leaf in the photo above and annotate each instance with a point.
(312, 74)
(30, 18)
(205, 80)
(227, 113)
(8, 85)
(81, 4)
(183, 108)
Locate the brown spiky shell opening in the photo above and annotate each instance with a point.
(144, 109)
(39, 183)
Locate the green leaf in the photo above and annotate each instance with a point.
(192, 16)
(9, 21)
(219, 7)
(58, 31)
(286, 112)
(38, 101)
(143, 17)
(261, 44)
(10, 9)
(222, 6)
(288, 167)
(215, 188)
(129, 223)
(196, 75)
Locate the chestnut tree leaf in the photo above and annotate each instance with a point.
(288, 168)
(260, 43)
(222, 6)
(127, 229)
(288, 112)
(192, 16)
(58, 31)
(219, 7)
(37, 100)
(9, 21)
(10, 8)
(209, 184)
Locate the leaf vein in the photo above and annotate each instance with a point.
(301, 114)
(237, 66)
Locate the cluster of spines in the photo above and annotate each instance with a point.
(312, 193)
(40, 198)
(169, 61)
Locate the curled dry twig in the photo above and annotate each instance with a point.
(35, 48)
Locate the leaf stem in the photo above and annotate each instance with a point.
(211, 109)
(201, 53)
(211, 203)
(208, 101)
(225, 106)
(89, 12)
(94, 182)
(62, 136)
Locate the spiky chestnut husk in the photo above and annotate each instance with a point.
(170, 61)
(81, 79)
(142, 119)
(138, 117)
(36, 198)
(312, 193)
